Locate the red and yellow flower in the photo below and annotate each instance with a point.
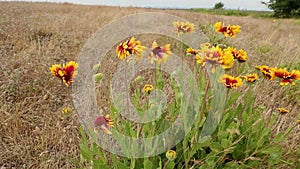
(191, 52)
(283, 110)
(130, 47)
(183, 27)
(227, 61)
(230, 31)
(159, 54)
(66, 72)
(251, 77)
(215, 56)
(239, 55)
(266, 71)
(230, 81)
(285, 75)
(103, 123)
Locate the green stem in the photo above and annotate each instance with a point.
(127, 101)
(142, 125)
(226, 98)
(166, 164)
(206, 93)
(155, 76)
(132, 163)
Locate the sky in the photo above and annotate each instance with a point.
(229, 4)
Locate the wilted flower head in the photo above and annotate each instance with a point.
(184, 27)
(298, 121)
(251, 77)
(148, 88)
(66, 72)
(103, 122)
(159, 54)
(130, 47)
(171, 155)
(230, 31)
(283, 110)
(230, 81)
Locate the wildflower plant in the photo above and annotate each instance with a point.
(207, 119)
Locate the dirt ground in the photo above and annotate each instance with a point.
(33, 36)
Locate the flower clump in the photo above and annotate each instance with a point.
(228, 31)
(65, 72)
(183, 27)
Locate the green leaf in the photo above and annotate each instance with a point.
(263, 137)
(253, 163)
(233, 98)
(86, 152)
(231, 165)
(196, 147)
(160, 164)
(205, 141)
(225, 143)
(271, 150)
(118, 164)
(222, 135)
(97, 152)
(95, 148)
(238, 152)
(216, 146)
(171, 165)
(164, 125)
(239, 109)
(147, 164)
(83, 136)
(98, 165)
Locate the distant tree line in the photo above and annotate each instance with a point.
(284, 8)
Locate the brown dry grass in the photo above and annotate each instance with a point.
(33, 36)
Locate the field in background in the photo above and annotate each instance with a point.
(33, 36)
(234, 12)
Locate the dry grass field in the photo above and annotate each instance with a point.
(33, 36)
